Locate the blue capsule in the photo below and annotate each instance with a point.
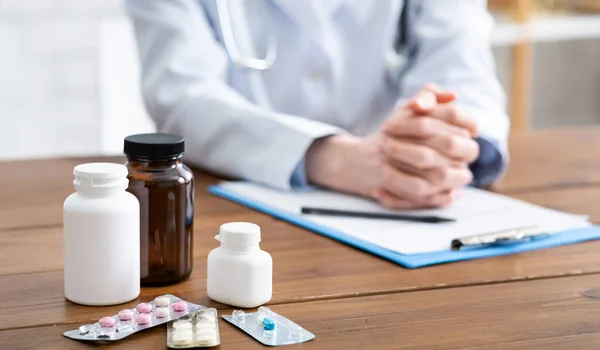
(268, 324)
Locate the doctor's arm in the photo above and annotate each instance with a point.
(453, 51)
(184, 85)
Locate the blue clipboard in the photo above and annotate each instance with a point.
(416, 260)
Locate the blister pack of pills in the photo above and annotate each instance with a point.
(128, 321)
(196, 330)
(269, 327)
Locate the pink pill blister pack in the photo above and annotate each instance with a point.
(128, 321)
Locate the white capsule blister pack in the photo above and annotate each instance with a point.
(269, 327)
(129, 321)
(196, 330)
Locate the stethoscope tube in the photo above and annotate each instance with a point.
(397, 58)
(232, 47)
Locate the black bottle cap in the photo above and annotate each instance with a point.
(154, 146)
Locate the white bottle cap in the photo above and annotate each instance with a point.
(239, 234)
(100, 177)
(100, 171)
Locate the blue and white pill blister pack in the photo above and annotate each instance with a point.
(269, 327)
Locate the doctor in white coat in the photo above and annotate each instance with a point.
(391, 100)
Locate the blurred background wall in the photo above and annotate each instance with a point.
(69, 73)
(68, 78)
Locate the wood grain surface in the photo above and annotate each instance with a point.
(348, 297)
(544, 314)
(307, 265)
(542, 159)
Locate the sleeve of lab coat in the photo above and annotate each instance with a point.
(184, 85)
(450, 45)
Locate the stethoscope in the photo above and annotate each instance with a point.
(232, 47)
(396, 57)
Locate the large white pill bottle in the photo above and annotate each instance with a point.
(239, 273)
(101, 237)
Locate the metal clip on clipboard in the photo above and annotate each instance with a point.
(512, 236)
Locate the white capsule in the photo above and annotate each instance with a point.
(205, 317)
(182, 324)
(162, 312)
(182, 340)
(206, 340)
(162, 301)
(205, 329)
(182, 332)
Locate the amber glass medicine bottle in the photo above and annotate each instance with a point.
(164, 187)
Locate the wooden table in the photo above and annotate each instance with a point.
(348, 298)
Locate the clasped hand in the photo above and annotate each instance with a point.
(419, 158)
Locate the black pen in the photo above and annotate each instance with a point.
(371, 215)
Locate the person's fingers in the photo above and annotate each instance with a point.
(423, 102)
(420, 127)
(453, 146)
(441, 95)
(439, 199)
(389, 200)
(416, 171)
(392, 201)
(440, 176)
(406, 185)
(428, 97)
(446, 178)
(412, 154)
(453, 115)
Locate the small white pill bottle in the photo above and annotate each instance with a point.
(101, 227)
(239, 273)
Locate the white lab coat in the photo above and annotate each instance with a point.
(330, 76)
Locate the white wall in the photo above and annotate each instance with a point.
(68, 78)
(122, 111)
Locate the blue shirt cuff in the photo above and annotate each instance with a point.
(489, 165)
(299, 180)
